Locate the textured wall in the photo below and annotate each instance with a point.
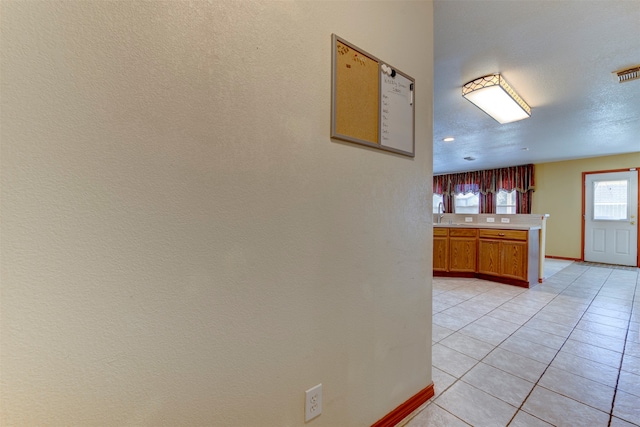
(182, 244)
(559, 193)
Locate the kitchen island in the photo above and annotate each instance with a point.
(502, 252)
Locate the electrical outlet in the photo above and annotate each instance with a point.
(468, 219)
(505, 220)
(313, 402)
(490, 219)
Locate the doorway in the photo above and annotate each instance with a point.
(610, 220)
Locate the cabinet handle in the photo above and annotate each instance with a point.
(500, 234)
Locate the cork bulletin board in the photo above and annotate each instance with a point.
(372, 102)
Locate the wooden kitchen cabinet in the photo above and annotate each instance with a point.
(503, 255)
(441, 249)
(489, 257)
(513, 260)
(463, 250)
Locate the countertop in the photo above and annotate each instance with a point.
(499, 225)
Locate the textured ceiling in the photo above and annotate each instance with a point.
(559, 56)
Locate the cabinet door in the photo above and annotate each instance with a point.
(489, 257)
(513, 263)
(440, 253)
(462, 254)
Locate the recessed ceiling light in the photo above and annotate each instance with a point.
(470, 159)
(525, 149)
(449, 139)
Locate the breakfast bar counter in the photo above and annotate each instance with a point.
(506, 252)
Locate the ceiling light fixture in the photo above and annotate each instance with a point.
(493, 95)
(448, 139)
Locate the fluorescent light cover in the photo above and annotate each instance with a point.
(495, 97)
(448, 139)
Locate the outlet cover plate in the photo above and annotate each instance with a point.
(505, 220)
(491, 219)
(313, 402)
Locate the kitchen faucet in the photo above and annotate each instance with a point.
(440, 214)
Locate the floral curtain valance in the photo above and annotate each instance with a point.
(519, 178)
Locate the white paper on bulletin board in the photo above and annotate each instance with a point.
(396, 112)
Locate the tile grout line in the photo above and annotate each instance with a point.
(574, 328)
(497, 345)
(557, 351)
(479, 361)
(559, 293)
(624, 348)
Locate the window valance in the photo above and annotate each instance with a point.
(490, 181)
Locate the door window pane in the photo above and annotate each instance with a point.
(610, 200)
(467, 203)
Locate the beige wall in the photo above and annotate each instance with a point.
(182, 244)
(559, 193)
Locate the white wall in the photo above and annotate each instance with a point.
(182, 243)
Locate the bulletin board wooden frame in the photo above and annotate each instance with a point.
(372, 103)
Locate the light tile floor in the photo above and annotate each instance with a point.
(564, 353)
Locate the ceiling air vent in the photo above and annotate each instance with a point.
(632, 73)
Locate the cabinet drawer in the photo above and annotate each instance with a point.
(504, 234)
(463, 232)
(440, 231)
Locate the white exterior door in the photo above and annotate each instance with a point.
(611, 218)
